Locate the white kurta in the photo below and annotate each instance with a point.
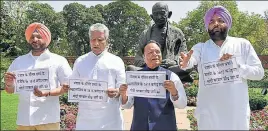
(33, 110)
(225, 107)
(100, 115)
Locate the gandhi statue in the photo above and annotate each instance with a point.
(171, 39)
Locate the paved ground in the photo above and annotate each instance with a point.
(181, 117)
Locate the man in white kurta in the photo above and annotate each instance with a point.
(223, 106)
(100, 65)
(39, 110)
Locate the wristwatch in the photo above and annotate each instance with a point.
(175, 97)
(48, 94)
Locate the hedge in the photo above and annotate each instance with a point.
(257, 101)
(259, 84)
(5, 62)
(258, 119)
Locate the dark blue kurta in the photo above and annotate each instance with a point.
(154, 113)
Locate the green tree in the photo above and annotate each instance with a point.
(266, 15)
(100, 9)
(125, 20)
(4, 22)
(249, 26)
(265, 41)
(13, 26)
(78, 19)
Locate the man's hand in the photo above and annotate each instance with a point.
(184, 58)
(170, 86)
(112, 92)
(123, 93)
(226, 57)
(39, 93)
(64, 88)
(167, 63)
(123, 89)
(9, 79)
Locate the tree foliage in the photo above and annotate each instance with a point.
(14, 21)
(249, 26)
(126, 20)
(79, 18)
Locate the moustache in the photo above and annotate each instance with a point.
(217, 29)
(218, 34)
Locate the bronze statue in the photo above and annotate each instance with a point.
(171, 39)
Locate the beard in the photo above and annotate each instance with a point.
(37, 47)
(218, 35)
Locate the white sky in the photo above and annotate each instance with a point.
(179, 8)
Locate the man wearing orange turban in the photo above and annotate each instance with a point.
(32, 34)
(39, 109)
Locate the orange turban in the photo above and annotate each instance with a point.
(41, 29)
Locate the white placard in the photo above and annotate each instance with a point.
(146, 84)
(27, 80)
(87, 90)
(221, 72)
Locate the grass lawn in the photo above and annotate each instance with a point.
(9, 104)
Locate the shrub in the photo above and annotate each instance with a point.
(68, 117)
(258, 119)
(64, 100)
(191, 93)
(191, 89)
(5, 62)
(68, 113)
(192, 119)
(194, 74)
(257, 101)
(191, 101)
(259, 84)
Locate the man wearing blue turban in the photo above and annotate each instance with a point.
(223, 103)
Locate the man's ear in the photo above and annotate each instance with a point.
(151, 16)
(169, 14)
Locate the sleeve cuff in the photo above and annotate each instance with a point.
(171, 97)
(128, 104)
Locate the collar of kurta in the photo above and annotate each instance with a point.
(212, 42)
(100, 55)
(149, 69)
(43, 56)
